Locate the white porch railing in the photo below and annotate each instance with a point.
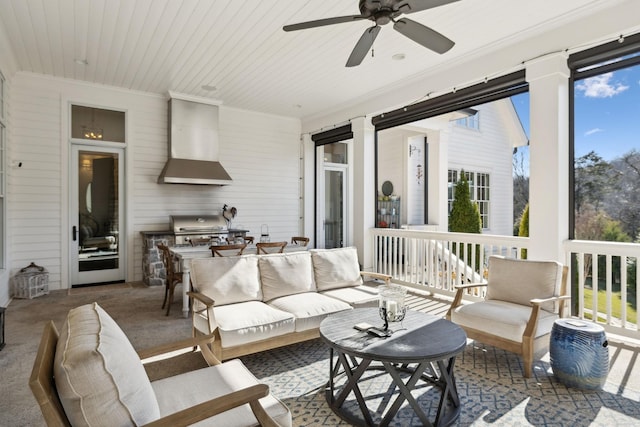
(437, 262)
(614, 267)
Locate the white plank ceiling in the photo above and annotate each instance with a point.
(239, 46)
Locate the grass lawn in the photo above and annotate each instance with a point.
(616, 304)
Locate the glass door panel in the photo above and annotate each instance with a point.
(96, 249)
(334, 207)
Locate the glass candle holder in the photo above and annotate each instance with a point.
(391, 304)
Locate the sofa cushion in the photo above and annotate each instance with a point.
(356, 296)
(286, 274)
(501, 318)
(227, 280)
(309, 309)
(191, 388)
(98, 374)
(251, 321)
(520, 281)
(336, 268)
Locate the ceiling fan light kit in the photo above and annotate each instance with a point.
(381, 12)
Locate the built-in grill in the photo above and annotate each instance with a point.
(202, 229)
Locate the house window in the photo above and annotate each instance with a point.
(470, 122)
(479, 189)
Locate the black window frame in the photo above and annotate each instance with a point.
(590, 63)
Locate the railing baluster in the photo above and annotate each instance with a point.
(623, 290)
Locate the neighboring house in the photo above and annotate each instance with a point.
(481, 144)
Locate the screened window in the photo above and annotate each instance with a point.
(606, 160)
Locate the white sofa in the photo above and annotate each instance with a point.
(258, 302)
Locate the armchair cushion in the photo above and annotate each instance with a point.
(520, 281)
(502, 319)
(189, 389)
(98, 374)
(336, 268)
(286, 274)
(227, 280)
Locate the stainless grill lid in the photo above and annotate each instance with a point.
(197, 224)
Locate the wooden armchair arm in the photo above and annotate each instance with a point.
(538, 301)
(457, 299)
(385, 277)
(162, 349)
(470, 285)
(221, 404)
(532, 323)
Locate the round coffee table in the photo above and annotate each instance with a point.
(423, 346)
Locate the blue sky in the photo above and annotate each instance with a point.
(607, 118)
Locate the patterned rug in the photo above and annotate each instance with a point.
(490, 385)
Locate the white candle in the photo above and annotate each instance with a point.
(392, 309)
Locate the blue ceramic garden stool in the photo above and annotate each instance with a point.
(579, 353)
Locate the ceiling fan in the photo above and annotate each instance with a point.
(381, 12)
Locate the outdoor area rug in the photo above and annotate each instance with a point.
(490, 384)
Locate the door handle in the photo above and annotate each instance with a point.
(74, 233)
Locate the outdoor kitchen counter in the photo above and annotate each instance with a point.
(153, 273)
(186, 253)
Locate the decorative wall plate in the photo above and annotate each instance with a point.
(387, 188)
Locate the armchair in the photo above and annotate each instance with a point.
(91, 375)
(523, 300)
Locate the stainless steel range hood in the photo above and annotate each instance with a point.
(193, 145)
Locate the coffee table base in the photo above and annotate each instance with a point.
(405, 378)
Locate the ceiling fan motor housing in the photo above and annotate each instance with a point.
(379, 11)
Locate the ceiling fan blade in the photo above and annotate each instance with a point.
(411, 6)
(362, 47)
(425, 36)
(322, 22)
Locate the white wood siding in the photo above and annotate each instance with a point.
(261, 152)
(488, 150)
(8, 68)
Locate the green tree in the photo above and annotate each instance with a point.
(465, 218)
(593, 179)
(523, 230)
(465, 214)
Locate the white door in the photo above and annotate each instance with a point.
(331, 203)
(96, 215)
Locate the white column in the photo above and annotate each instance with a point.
(437, 177)
(363, 194)
(549, 156)
(308, 185)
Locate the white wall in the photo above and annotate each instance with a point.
(8, 67)
(488, 150)
(260, 152)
